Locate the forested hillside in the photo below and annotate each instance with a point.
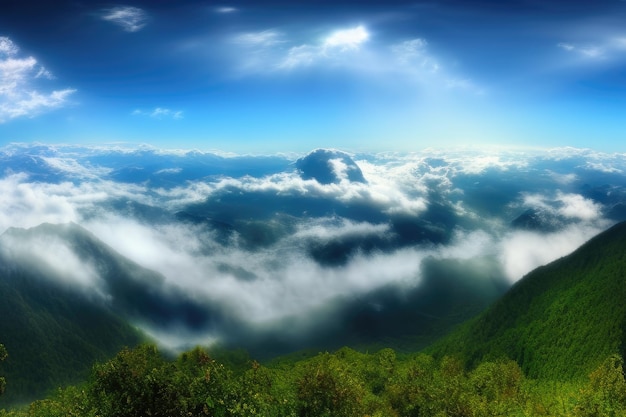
(53, 333)
(561, 320)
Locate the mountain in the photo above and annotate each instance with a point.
(102, 274)
(561, 320)
(53, 333)
(67, 301)
(328, 166)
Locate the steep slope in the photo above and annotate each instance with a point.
(53, 333)
(66, 300)
(71, 256)
(561, 320)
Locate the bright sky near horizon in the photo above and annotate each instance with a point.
(243, 76)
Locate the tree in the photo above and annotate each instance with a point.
(3, 356)
(135, 383)
(605, 394)
(327, 388)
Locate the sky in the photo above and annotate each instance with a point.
(250, 77)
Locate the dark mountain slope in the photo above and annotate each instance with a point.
(561, 320)
(66, 301)
(53, 333)
(132, 291)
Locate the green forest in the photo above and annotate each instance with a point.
(142, 382)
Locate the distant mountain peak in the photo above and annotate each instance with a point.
(329, 166)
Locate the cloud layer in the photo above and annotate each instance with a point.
(267, 244)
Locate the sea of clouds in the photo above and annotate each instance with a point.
(261, 242)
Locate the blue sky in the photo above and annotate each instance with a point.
(292, 76)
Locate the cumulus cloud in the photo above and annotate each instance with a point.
(131, 19)
(575, 206)
(567, 205)
(347, 38)
(332, 49)
(19, 91)
(159, 113)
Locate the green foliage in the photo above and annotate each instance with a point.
(329, 387)
(605, 394)
(560, 321)
(54, 335)
(135, 383)
(141, 382)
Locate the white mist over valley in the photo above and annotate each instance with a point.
(240, 249)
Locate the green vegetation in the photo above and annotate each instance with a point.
(560, 321)
(141, 382)
(53, 334)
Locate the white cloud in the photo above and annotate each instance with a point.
(33, 102)
(523, 251)
(7, 47)
(52, 255)
(226, 9)
(333, 228)
(589, 51)
(414, 52)
(349, 49)
(44, 73)
(159, 113)
(303, 55)
(264, 38)
(72, 168)
(131, 19)
(567, 205)
(602, 50)
(26, 203)
(575, 206)
(566, 46)
(347, 38)
(19, 94)
(169, 171)
(332, 49)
